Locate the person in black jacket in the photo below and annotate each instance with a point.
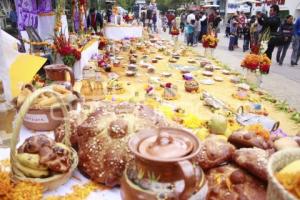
(272, 23)
(94, 19)
(286, 31)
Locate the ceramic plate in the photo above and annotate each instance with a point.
(218, 78)
(226, 72)
(207, 81)
(207, 73)
(166, 74)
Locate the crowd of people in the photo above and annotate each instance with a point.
(193, 24)
(263, 33)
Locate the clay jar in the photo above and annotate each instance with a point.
(162, 168)
(57, 72)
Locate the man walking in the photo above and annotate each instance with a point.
(270, 27)
(286, 31)
(296, 43)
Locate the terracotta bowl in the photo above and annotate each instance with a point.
(46, 119)
(43, 119)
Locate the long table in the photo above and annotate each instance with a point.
(119, 32)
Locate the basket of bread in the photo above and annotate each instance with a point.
(284, 175)
(39, 159)
(45, 112)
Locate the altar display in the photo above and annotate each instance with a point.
(142, 118)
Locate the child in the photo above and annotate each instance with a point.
(246, 32)
(232, 37)
(190, 33)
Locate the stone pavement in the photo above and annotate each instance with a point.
(283, 82)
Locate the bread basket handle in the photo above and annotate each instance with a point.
(23, 110)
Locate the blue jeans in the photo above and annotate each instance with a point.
(296, 49)
(190, 39)
(281, 52)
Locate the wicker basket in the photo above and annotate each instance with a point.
(277, 161)
(53, 181)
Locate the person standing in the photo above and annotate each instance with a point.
(154, 22)
(233, 33)
(216, 23)
(183, 18)
(170, 17)
(270, 27)
(13, 17)
(246, 33)
(286, 31)
(190, 17)
(197, 30)
(190, 33)
(94, 20)
(203, 21)
(296, 43)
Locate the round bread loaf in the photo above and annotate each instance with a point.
(103, 137)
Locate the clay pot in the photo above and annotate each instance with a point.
(162, 168)
(57, 72)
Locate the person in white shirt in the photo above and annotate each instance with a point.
(197, 30)
(190, 17)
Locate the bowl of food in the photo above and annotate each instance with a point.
(45, 113)
(284, 175)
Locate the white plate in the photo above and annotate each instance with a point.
(166, 74)
(207, 81)
(218, 79)
(226, 72)
(207, 73)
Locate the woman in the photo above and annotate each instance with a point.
(286, 31)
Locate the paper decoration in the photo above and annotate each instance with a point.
(23, 70)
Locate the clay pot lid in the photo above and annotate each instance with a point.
(166, 144)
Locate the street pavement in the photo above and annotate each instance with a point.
(283, 82)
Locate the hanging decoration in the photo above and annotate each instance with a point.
(59, 12)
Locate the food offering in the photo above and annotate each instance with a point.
(45, 112)
(103, 136)
(39, 159)
(114, 86)
(170, 92)
(157, 152)
(214, 151)
(283, 175)
(172, 60)
(191, 86)
(242, 91)
(233, 183)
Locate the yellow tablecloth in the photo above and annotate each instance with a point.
(190, 102)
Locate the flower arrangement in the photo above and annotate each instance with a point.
(209, 41)
(66, 50)
(103, 42)
(175, 31)
(255, 63)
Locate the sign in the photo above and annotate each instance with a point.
(27, 13)
(278, 2)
